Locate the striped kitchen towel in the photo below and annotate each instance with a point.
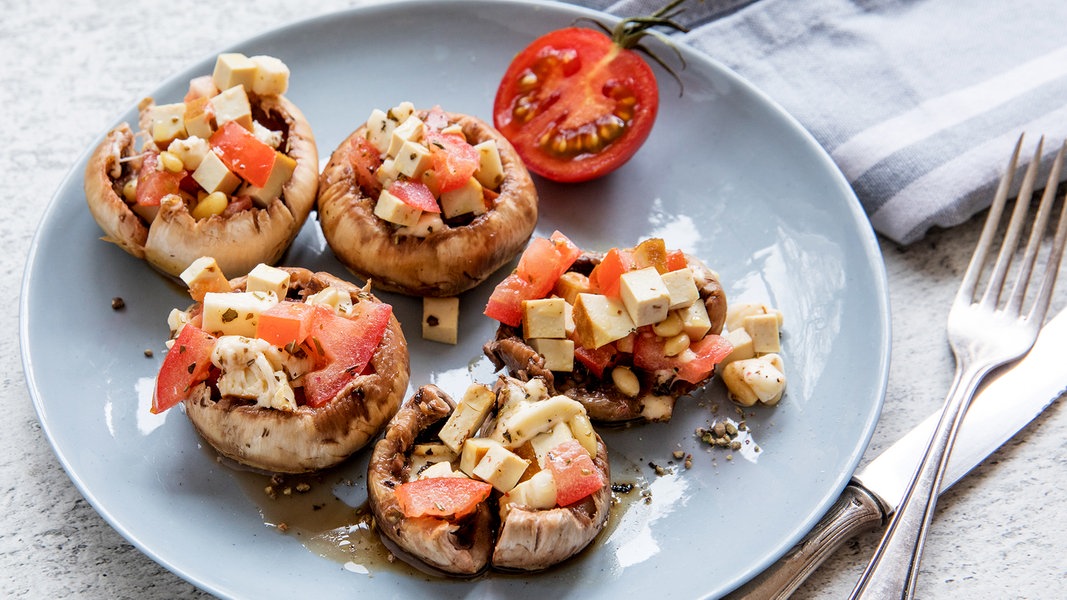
(919, 102)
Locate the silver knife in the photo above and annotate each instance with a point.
(1004, 406)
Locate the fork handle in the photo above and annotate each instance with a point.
(893, 570)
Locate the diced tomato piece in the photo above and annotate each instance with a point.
(187, 363)
(454, 160)
(365, 161)
(693, 365)
(597, 360)
(286, 323)
(347, 344)
(540, 265)
(574, 472)
(505, 303)
(676, 260)
(153, 183)
(416, 195)
(446, 497)
(243, 153)
(605, 276)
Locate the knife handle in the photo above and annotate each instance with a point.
(855, 512)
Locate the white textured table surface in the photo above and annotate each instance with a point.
(69, 68)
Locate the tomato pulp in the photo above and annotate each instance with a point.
(576, 105)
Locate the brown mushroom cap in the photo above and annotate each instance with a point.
(308, 439)
(602, 400)
(444, 263)
(175, 239)
(460, 548)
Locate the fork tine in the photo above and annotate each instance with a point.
(1011, 238)
(970, 278)
(1041, 303)
(1037, 234)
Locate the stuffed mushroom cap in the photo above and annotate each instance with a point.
(308, 439)
(174, 239)
(460, 548)
(444, 263)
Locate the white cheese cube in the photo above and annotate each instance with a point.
(695, 320)
(271, 76)
(439, 469)
(440, 319)
(657, 408)
(280, 174)
(531, 418)
(168, 123)
(428, 224)
(191, 151)
(681, 287)
(265, 278)
(386, 173)
(453, 129)
(763, 328)
(464, 200)
(742, 347)
(409, 130)
(467, 417)
(232, 105)
(233, 69)
(214, 176)
(558, 354)
(425, 455)
(473, 451)
(235, 313)
(490, 172)
(204, 275)
(599, 319)
(395, 210)
(267, 136)
(402, 111)
(645, 296)
(536, 493)
(500, 467)
(759, 379)
(543, 443)
(412, 159)
(380, 129)
(544, 318)
(337, 299)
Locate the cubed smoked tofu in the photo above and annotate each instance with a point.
(599, 319)
(473, 451)
(234, 69)
(651, 253)
(271, 78)
(198, 121)
(440, 319)
(213, 176)
(235, 313)
(232, 105)
(205, 275)
(536, 493)
(280, 174)
(763, 328)
(168, 123)
(558, 354)
(742, 347)
(463, 200)
(544, 318)
(467, 417)
(395, 210)
(490, 172)
(191, 151)
(735, 315)
(645, 296)
(570, 284)
(412, 159)
(500, 467)
(409, 130)
(265, 278)
(543, 443)
(681, 288)
(695, 320)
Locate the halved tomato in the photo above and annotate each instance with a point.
(576, 105)
(188, 363)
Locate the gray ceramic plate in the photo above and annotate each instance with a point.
(726, 175)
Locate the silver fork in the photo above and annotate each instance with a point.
(986, 328)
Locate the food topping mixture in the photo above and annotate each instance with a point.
(215, 151)
(424, 174)
(537, 453)
(265, 345)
